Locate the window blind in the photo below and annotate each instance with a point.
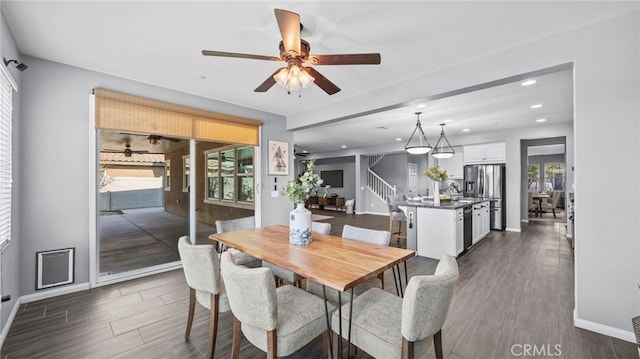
(6, 107)
(124, 112)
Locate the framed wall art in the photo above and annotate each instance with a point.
(278, 158)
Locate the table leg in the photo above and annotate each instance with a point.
(340, 323)
(395, 280)
(350, 316)
(326, 314)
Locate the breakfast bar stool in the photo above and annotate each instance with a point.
(396, 215)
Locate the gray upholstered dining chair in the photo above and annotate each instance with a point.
(239, 224)
(555, 197)
(387, 326)
(201, 267)
(281, 274)
(279, 321)
(358, 234)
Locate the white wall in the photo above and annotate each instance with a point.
(606, 60)
(54, 141)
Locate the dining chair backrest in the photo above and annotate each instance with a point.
(321, 227)
(366, 235)
(251, 293)
(427, 299)
(237, 224)
(555, 198)
(200, 264)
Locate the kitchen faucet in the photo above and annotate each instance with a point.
(454, 186)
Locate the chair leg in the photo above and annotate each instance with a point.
(408, 349)
(192, 308)
(554, 212)
(335, 344)
(437, 344)
(381, 277)
(235, 343)
(213, 324)
(272, 344)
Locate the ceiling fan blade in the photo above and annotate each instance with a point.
(268, 83)
(322, 82)
(345, 59)
(239, 55)
(289, 24)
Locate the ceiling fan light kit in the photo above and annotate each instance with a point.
(295, 52)
(441, 150)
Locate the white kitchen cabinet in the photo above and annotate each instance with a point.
(480, 221)
(485, 153)
(454, 165)
(439, 233)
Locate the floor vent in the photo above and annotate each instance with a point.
(55, 268)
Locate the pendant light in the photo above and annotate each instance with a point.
(441, 150)
(423, 146)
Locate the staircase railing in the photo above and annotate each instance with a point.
(374, 159)
(379, 187)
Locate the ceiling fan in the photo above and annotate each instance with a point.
(153, 139)
(295, 52)
(297, 152)
(127, 151)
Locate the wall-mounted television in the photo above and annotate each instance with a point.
(332, 178)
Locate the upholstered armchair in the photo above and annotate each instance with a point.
(279, 321)
(201, 268)
(239, 224)
(387, 326)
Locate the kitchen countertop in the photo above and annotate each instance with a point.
(454, 204)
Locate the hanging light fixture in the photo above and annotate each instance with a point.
(293, 77)
(423, 146)
(440, 150)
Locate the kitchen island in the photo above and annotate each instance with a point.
(448, 229)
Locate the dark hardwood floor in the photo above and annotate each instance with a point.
(515, 289)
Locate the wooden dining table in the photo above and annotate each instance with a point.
(331, 261)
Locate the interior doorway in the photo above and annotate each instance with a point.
(545, 179)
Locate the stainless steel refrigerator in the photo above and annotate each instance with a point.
(488, 181)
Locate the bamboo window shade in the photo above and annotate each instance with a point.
(124, 112)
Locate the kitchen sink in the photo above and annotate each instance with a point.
(465, 201)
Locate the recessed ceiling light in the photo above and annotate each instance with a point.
(465, 130)
(399, 139)
(305, 151)
(421, 105)
(538, 105)
(528, 83)
(344, 146)
(541, 120)
(448, 120)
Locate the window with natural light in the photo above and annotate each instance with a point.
(230, 175)
(6, 108)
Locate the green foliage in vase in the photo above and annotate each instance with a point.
(298, 189)
(435, 173)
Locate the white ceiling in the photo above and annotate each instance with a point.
(160, 43)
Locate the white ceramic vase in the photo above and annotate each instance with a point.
(300, 225)
(436, 193)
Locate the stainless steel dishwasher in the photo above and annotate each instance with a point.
(468, 227)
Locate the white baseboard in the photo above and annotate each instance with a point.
(7, 325)
(54, 292)
(508, 229)
(604, 329)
